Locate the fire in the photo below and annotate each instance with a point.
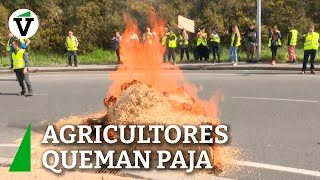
(142, 63)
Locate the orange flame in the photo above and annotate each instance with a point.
(143, 62)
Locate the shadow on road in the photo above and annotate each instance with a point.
(8, 80)
(8, 94)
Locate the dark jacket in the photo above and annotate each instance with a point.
(251, 35)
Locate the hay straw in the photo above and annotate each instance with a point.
(143, 105)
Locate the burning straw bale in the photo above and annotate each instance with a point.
(141, 104)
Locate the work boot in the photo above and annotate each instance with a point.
(29, 94)
(22, 93)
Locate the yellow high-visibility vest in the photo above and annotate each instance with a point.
(312, 41)
(181, 42)
(172, 43)
(8, 46)
(17, 59)
(294, 37)
(71, 44)
(215, 38)
(202, 40)
(233, 36)
(279, 41)
(164, 38)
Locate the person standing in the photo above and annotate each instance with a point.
(215, 43)
(172, 44)
(20, 62)
(164, 43)
(116, 45)
(291, 45)
(311, 45)
(274, 42)
(72, 47)
(202, 46)
(235, 43)
(184, 44)
(251, 39)
(8, 46)
(147, 36)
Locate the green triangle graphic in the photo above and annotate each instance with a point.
(27, 14)
(22, 160)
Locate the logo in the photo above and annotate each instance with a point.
(23, 23)
(22, 160)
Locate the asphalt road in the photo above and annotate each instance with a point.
(274, 116)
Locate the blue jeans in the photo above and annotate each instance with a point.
(74, 54)
(233, 54)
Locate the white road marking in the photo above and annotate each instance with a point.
(6, 161)
(9, 145)
(36, 94)
(168, 174)
(275, 99)
(279, 168)
(12, 146)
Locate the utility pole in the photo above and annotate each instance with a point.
(259, 28)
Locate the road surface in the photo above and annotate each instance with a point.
(274, 116)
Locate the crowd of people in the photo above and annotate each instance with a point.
(206, 43)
